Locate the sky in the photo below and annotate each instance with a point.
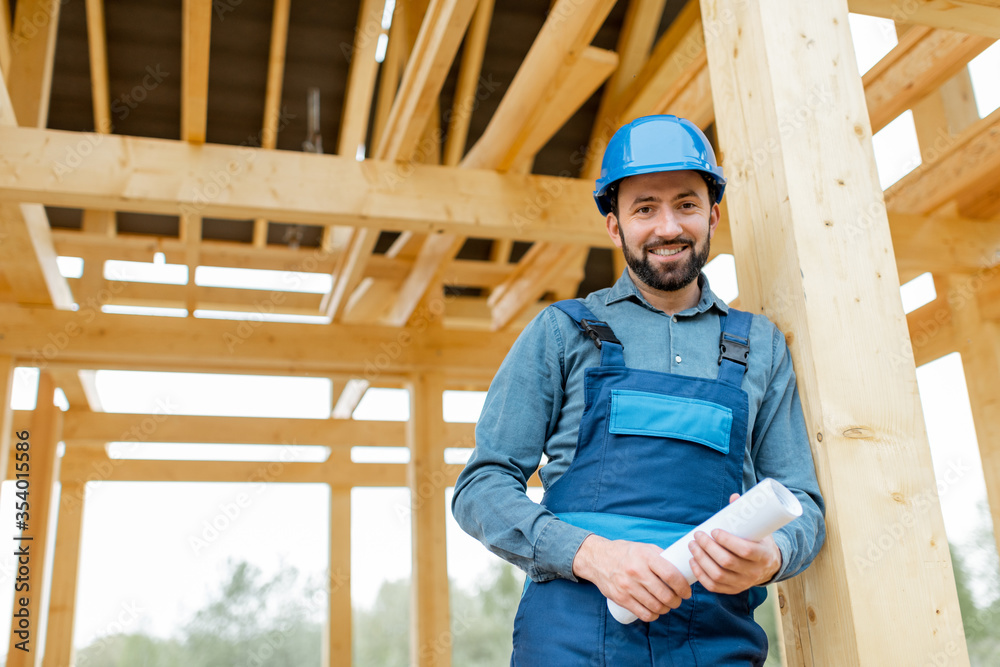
(150, 559)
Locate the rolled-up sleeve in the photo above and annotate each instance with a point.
(781, 451)
(521, 411)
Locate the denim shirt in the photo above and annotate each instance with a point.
(535, 404)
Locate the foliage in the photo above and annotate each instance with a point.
(250, 622)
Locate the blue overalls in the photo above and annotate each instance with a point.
(657, 454)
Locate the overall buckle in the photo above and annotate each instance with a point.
(734, 348)
(599, 332)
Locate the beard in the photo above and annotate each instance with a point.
(666, 279)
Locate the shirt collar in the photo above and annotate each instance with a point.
(624, 289)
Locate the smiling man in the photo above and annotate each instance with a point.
(655, 405)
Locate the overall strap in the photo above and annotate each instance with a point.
(734, 346)
(612, 351)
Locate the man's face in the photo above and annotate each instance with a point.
(664, 225)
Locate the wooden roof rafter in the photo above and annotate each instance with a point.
(436, 45)
(272, 95)
(542, 96)
(975, 17)
(923, 60)
(671, 78)
(969, 162)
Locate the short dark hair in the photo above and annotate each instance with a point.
(612, 192)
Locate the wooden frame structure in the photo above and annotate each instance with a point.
(776, 79)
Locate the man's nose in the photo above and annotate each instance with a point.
(667, 224)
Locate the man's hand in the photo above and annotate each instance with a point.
(729, 564)
(631, 574)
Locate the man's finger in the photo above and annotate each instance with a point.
(672, 577)
(745, 549)
(725, 559)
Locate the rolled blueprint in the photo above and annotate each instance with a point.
(756, 514)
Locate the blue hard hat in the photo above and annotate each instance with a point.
(656, 143)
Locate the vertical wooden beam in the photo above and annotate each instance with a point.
(430, 638)
(98, 49)
(6, 414)
(337, 647)
(978, 341)
(4, 38)
(43, 438)
(809, 227)
(197, 27)
(65, 568)
(101, 222)
(195, 49)
(272, 96)
(191, 236)
(33, 50)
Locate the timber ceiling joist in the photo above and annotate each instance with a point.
(483, 123)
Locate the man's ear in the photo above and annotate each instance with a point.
(713, 220)
(612, 224)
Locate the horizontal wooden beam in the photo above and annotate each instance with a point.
(171, 177)
(978, 17)
(336, 433)
(141, 248)
(932, 333)
(335, 473)
(88, 338)
(155, 295)
(943, 244)
(963, 164)
(922, 62)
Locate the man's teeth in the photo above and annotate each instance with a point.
(666, 252)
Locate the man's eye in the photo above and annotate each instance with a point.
(643, 209)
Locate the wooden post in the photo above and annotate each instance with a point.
(65, 567)
(430, 634)
(43, 437)
(6, 415)
(813, 252)
(337, 647)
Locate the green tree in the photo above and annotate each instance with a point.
(382, 633)
(251, 621)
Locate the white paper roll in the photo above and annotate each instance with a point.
(756, 514)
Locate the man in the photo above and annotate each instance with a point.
(655, 404)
